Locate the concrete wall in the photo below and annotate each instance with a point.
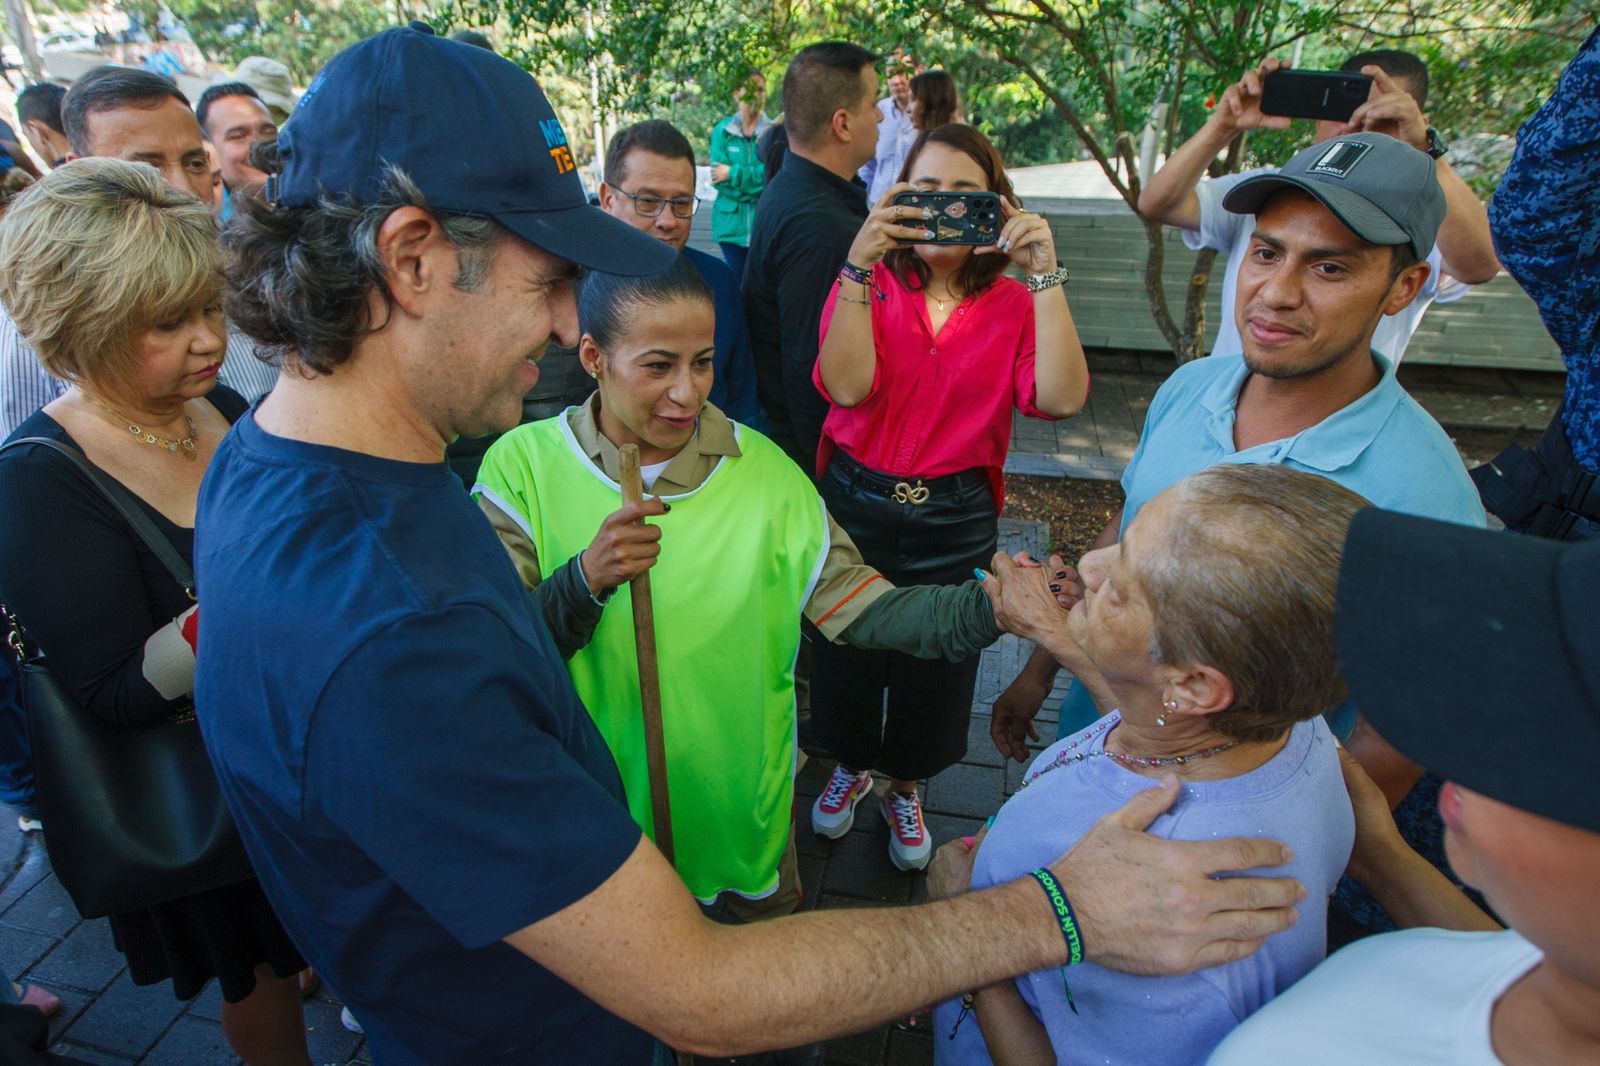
(1102, 243)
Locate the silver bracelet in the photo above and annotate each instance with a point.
(1041, 282)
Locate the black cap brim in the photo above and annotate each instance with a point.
(1473, 653)
(591, 238)
(1359, 215)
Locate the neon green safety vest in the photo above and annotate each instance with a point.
(739, 558)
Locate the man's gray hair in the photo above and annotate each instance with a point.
(301, 277)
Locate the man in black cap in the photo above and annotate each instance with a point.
(1474, 653)
(431, 810)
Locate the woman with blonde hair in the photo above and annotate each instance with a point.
(114, 278)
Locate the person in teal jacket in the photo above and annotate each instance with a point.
(737, 171)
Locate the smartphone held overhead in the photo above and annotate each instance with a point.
(957, 217)
(1333, 95)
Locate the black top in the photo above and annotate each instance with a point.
(80, 579)
(805, 222)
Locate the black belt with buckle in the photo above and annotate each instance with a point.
(913, 491)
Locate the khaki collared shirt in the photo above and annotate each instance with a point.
(847, 586)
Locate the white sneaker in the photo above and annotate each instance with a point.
(348, 1020)
(835, 810)
(910, 847)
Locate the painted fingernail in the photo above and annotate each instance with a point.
(978, 573)
(666, 507)
(928, 233)
(968, 842)
(1055, 588)
(1062, 574)
(987, 822)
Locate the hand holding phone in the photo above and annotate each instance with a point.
(888, 224)
(1239, 108)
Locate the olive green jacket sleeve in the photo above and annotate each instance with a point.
(855, 604)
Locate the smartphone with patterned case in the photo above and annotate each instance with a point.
(958, 217)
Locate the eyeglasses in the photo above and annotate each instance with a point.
(650, 206)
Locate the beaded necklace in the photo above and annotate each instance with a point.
(1070, 754)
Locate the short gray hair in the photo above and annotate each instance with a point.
(1246, 585)
(300, 276)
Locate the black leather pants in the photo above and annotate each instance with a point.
(930, 531)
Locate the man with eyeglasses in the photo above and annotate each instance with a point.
(649, 184)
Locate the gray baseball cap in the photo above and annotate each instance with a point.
(1383, 189)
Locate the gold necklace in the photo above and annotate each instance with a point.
(143, 436)
(186, 443)
(949, 297)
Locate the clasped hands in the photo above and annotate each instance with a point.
(1031, 599)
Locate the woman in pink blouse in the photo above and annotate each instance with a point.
(926, 349)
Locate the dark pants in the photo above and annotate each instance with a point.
(938, 542)
(734, 255)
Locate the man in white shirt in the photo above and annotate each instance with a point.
(1180, 195)
(895, 132)
(1473, 653)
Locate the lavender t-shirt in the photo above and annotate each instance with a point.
(1297, 796)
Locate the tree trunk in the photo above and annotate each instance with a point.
(1193, 342)
(1154, 291)
(20, 20)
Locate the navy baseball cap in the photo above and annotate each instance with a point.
(408, 98)
(1382, 189)
(1474, 653)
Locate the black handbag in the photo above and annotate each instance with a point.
(133, 816)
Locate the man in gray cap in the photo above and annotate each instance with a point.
(1180, 194)
(435, 816)
(1340, 240)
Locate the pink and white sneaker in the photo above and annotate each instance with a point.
(910, 846)
(835, 810)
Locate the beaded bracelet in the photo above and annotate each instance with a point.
(853, 300)
(855, 273)
(1069, 926)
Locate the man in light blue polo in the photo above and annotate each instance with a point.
(1341, 239)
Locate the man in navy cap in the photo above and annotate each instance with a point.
(435, 817)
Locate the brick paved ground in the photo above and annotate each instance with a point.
(105, 1019)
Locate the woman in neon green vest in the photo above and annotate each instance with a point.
(741, 549)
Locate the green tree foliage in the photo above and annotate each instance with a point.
(302, 34)
(1053, 80)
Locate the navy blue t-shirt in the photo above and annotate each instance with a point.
(397, 737)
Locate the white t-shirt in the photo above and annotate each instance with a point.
(1408, 999)
(648, 473)
(1230, 233)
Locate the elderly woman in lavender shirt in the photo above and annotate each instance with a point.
(1212, 623)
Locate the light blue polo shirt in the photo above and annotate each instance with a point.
(1384, 445)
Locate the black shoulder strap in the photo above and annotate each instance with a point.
(126, 505)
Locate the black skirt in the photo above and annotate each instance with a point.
(224, 934)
